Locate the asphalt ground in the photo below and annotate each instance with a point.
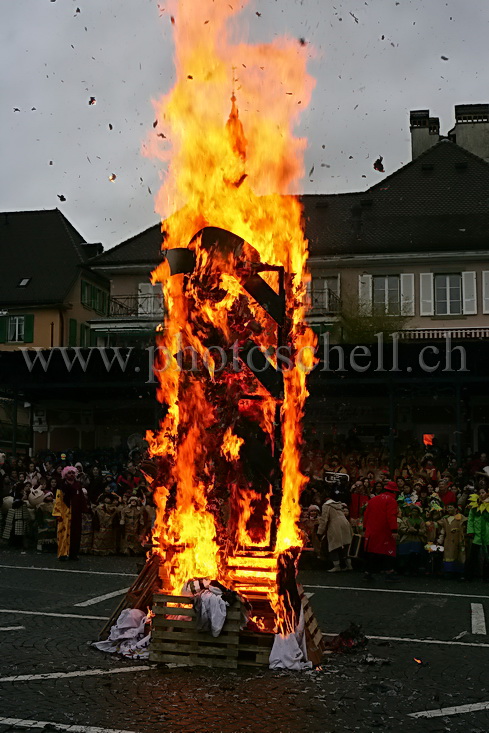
(88, 689)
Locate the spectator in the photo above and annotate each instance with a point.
(452, 538)
(380, 524)
(69, 505)
(478, 532)
(335, 531)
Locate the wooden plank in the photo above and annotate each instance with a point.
(161, 622)
(195, 636)
(170, 611)
(191, 648)
(191, 661)
(257, 649)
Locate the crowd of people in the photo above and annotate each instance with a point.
(75, 509)
(429, 516)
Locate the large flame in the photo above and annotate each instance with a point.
(237, 175)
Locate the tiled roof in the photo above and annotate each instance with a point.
(41, 246)
(144, 248)
(439, 201)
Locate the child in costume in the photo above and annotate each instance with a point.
(412, 538)
(132, 521)
(105, 516)
(452, 537)
(46, 523)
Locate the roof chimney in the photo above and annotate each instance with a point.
(425, 131)
(471, 129)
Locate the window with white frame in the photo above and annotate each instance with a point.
(324, 292)
(386, 294)
(16, 328)
(448, 295)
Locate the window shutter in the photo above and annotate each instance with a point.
(427, 306)
(28, 328)
(3, 329)
(365, 295)
(485, 291)
(469, 294)
(407, 294)
(73, 328)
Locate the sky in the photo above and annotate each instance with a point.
(373, 62)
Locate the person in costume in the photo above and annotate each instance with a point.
(358, 499)
(68, 508)
(380, 525)
(478, 532)
(336, 531)
(46, 523)
(412, 538)
(132, 522)
(452, 537)
(105, 517)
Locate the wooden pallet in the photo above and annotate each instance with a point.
(178, 641)
(139, 595)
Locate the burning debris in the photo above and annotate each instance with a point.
(92, 101)
(378, 165)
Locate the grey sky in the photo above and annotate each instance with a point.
(122, 55)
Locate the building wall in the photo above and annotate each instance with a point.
(51, 326)
(127, 284)
(349, 288)
(44, 335)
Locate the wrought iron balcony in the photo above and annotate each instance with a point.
(136, 306)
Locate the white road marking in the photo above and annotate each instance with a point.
(56, 615)
(11, 628)
(422, 641)
(81, 673)
(99, 599)
(308, 595)
(395, 590)
(478, 619)
(58, 726)
(470, 708)
(66, 570)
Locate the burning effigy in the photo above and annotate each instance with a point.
(234, 350)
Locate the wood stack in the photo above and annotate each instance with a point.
(176, 640)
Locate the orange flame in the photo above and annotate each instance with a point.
(238, 176)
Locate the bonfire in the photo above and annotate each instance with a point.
(234, 350)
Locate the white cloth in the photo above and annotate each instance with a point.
(290, 652)
(127, 636)
(211, 610)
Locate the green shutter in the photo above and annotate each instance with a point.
(3, 329)
(72, 332)
(28, 328)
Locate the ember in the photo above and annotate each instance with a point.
(234, 283)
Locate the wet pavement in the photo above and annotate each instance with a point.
(349, 693)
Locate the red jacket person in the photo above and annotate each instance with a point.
(380, 524)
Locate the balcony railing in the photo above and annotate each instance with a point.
(325, 303)
(441, 333)
(151, 306)
(139, 306)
